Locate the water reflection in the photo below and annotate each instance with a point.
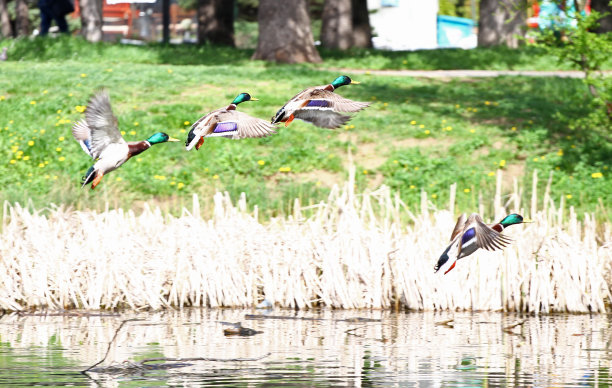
(334, 348)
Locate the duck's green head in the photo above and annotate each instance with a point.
(160, 137)
(242, 97)
(512, 219)
(343, 80)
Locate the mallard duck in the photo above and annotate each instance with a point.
(472, 234)
(320, 106)
(228, 122)
(100, 138)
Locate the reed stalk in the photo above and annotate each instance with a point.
(351, 251)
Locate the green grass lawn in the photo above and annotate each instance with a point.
(419, 134)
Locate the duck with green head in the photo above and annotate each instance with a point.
(470, 235)
(229, 123)
(319, 105)
(100, 138)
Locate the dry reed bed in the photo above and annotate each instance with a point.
(352, 252)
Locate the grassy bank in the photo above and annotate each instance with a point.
(419, 134)
(353, 252)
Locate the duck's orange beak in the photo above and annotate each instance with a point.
(355, 82)
(173, 139)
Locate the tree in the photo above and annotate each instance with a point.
(91, 19)
(216, 22)
(284, 32)
(603, 7)
(22, 19)
(5, 20)
(501, 22)
(362, 31)
(337, 27)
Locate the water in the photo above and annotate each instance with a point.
(328, 348)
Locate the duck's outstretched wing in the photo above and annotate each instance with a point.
(458, 226)
(486, 237)
(324, 118)
(321, 98)
(100, 126)
(234, 124)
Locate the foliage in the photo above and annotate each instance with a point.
(459, 130)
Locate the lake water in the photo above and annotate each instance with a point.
(307, 348)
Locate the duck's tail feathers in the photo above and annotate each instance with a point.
(88, 177)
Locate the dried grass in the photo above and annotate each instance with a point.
(354, 251)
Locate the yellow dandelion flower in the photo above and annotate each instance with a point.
(491, 173)
(412, 186)
(45, 91)
(560, 152)
(61, 158)
(30, 143)
(205, 169)
(54, 177)
(413, 122)
(215, 176)
(386, 104)
(422, 126)
(365, 172)
(169, 71)
(109, 70)
(427, 132)
(573, 146)
(557, 168)
(41, 165)
(367, 72)
(83, 75)
(46, 162)
(59, 111)
(59, 149)
(80, 108)
(352, 126)
(416, 168)
(405, 62)
(172, 183)
(395, 162)
(186, 123)
(132, 133)
(475, 110)
(457, 106)
(182, 131)
(502, 163)
(19, 153)
(70, 94)
(536, 159)
(136, 123)
(118, 179)
(42, 131)
(434, 196)
(2, 98)
(61, 138)
(487, 102)
(13, 161)
(122, 133)
(466, 190)
(443, 121)
(261, 162)
(180, 185)
(568, 196)
(318, 183)
(284, 169)
(18, 156)
(596, 175)
(27, 157)
(472, 130)
(449, 128)
(32, 102)
(11, 121)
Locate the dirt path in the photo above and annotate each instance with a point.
(467, 73)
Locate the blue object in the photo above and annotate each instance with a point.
(389, 3)
(452, 30)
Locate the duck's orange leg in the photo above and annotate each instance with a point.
(97, 180)
(452, 266)
(289, 120)
(200, 142)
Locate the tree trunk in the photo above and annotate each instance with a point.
(91, 20)
(22, 20)
(337, 27)
(605, 23)
(284, 32)
(5, 20)
(500, 22)
(362, 31)
(216, 22)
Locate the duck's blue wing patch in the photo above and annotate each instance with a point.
(86, 146)
(225, 129)
(468, 235)
(318, 103)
